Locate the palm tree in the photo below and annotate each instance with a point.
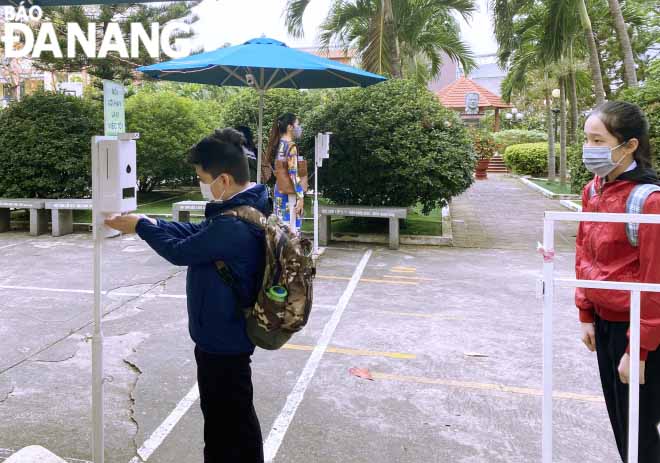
(393, 37)
(630, 74)
(594, 62)
(519, 31)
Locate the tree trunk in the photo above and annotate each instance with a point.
(551, 135)
(575, 116)
(562, 132)
(629, 71)
(391, 31)
(594, 63)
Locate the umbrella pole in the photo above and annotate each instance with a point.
(261, 124)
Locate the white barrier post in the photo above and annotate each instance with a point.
(548, 295)
(635, 289)
(634, 380)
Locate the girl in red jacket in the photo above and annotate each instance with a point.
(617, 151)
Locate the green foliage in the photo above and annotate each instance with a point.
(580, 176)
(45, 146)
(647, 96)
(483, 143)
(507, 138)
(528, 159)
(393, 144)
(243, 108)
(168, 125)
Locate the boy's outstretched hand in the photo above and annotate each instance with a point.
(126, 223)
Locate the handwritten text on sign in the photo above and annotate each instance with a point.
(113, 108)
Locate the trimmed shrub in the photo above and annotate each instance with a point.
(647, 96)
(580, 176)
(45, 146)
(506, 138)
(393, 144)
(168, 125)
(243, 108)
(529, 159)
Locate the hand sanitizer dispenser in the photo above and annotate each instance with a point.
(114, 169)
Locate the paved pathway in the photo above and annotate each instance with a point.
(503, 213)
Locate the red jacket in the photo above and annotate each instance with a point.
(603, 252)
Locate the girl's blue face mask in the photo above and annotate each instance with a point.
(598, 159)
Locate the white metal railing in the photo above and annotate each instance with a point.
(547, 291)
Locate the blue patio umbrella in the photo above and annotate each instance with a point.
(262, 64)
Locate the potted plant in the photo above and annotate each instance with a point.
(485, 147)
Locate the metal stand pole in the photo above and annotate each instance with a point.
(97, 337)
(548, 295)
(316, 201)
(633, 406)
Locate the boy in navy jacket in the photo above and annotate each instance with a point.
(222, 348)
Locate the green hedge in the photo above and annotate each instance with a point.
(168, 125)
(647, 96)
(393, 144)
(580, 176)
(45, 146)
(529, 159)
(506, 138)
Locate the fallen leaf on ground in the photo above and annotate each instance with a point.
(361, 373)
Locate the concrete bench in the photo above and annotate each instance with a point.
(181, 210)
(38, 215)
(62, 213)
(391, 213)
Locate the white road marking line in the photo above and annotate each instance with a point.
(6, 453)
(89, 291)
(15, 244)
(281, 425)
(158, 436)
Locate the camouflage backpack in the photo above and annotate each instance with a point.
(284, 300)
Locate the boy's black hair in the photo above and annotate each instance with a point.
(222, 153)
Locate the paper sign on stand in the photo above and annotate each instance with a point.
(321, 152)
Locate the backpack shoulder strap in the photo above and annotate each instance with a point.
(592, 188)
(635, 205)
(248, 214)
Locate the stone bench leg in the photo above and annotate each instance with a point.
(180, 216)
(325, 230)
(62, 221)
(5, 214)
(394, 233)
(38, 222)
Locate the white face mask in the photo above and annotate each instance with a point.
(207, 192)
(598, 159)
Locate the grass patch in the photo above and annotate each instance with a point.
(555, 186)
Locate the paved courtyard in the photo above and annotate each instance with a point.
(451, 336)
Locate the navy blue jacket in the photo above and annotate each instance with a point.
(213, 321)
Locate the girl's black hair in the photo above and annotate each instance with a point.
(278, 129)
(222, 153)
(626, 121)
(249, 138)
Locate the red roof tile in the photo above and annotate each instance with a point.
(453, 95)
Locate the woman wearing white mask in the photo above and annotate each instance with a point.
(618, 152)
(290, 171)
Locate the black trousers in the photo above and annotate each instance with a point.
(611, 343)
(231, 428)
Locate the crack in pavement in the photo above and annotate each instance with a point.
(89, 322)
(131, 397)
(7, 394)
